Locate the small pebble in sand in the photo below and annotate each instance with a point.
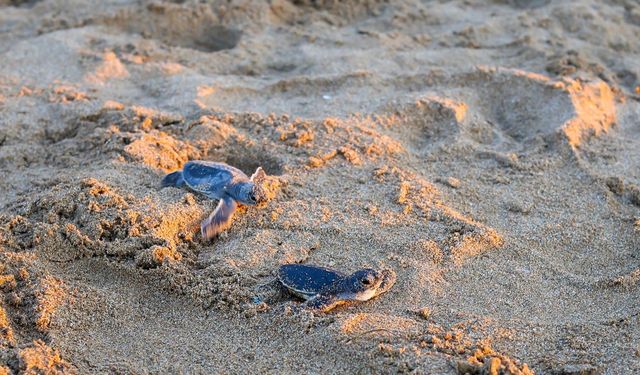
(508, 159)
(380, 172)
(315, 162)
(425, 313)
(13, 299)
(189, 199)
(615, 184)
(403, 192)
(492, 365)
(320, 160)
(579, 369)
(634, 194)
(350, 154)
(372, 209)
(451, 182)
(518, 207)
(112, 106)
(7, 282)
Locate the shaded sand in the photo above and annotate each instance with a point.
(488, 152)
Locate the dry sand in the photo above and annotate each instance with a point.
(487, 151)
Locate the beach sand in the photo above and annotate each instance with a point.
(486, 151)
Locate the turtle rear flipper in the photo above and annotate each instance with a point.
(219, 219)
(173, 179)
(323, 303)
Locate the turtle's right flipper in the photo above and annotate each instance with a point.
(173, 179)
(323, 303)
(220, 218)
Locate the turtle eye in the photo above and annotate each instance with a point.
(365, 281)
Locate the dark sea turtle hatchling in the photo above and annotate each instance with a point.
(219, 181)
(323, 289)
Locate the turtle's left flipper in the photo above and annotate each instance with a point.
(258, 176)
(219, 219)
(323, 303)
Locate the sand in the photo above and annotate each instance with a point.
(486, 151)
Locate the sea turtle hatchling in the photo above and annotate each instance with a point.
(323, 289)
(219, 181)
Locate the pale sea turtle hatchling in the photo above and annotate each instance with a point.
(323, 289)
(219, 181)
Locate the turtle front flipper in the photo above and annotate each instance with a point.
(258, 176)
(220, 218)
(173, 179)
(323, 303)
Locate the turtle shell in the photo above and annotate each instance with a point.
(206, 176)
(306, 281)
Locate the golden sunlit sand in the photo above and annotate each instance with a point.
(486, 151)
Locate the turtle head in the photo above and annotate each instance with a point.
(362, 285)
(251, 194)
(254, 191)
